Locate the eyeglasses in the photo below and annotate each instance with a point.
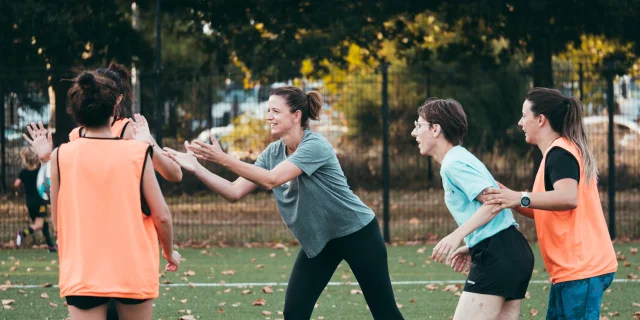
(419, 124)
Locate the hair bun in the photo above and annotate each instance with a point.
(87, 81)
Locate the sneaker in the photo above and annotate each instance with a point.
(53, 249)
(18, 239)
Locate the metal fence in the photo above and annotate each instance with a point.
(368, 118)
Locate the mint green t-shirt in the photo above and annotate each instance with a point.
(318, 205)
(463, 178)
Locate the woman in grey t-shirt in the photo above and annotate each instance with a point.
(330, 222)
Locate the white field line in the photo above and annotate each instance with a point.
(283, 284)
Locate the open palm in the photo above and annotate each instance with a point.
(186, 160)
(40, 140)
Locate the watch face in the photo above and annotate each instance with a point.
(525, 201)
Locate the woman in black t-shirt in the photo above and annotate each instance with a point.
(37, 208)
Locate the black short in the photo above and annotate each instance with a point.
(89, 302)
(501, 265)
(37, 211)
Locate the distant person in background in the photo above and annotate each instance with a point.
(36, 207)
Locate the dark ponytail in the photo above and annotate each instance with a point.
(119, 74)
(565, 117)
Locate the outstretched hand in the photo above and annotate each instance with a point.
(210, 152)
(186, 160)
(40, 140)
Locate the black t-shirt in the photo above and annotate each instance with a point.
(560, 164)
(29, 178)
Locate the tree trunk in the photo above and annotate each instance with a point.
(63, 121)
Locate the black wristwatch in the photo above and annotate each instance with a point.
(525, 201)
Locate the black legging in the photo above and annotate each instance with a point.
(366, 254)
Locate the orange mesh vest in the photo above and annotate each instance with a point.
(117, 129)
(107, 246)
(575, 244)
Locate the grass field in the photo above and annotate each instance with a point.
(225, 283)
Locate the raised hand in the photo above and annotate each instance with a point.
(141, 130)
(40, 140)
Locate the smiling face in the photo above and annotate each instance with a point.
(530, 123)
(426, 136)
(279, 116)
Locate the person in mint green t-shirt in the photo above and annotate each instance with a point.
(331, 223)
(497, 256)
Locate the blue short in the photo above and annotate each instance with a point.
(578, 299)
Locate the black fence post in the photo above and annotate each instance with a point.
(158, 74)
(429, 159)
(3, 143)
(385, 151)
(581, 82)
(611, 153)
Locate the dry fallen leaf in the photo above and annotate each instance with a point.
(533, 312)
(356, 291)
(246, 291)
(614, 314)
(272, 255)
(184, 300)
(237, 304)
(190, 273)
(7, 307)
(266, 313)
(187, 317)
(399, 305)
(620, 256)
(30, 269)
(14, 268)
(220, 310)
(633, 250)
(7, 302)
(412, 300)
(46, 285)
(635, 304)
(422, 250)
(227, 290)
(259, 266)
(192, 285)
(228, 272)
(260, 302)
(432, 287)
(44, 295)
(22, 292)
(627, 264)
(632, 276)
(47, 268)
(53, 304)
(451, 287)
(267, 290)
(527, 295)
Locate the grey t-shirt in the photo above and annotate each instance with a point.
(318, 205)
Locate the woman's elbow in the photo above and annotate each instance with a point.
(175, 176)
(572, 203)
(163, 215)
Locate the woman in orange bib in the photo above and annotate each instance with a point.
(572, 232)
(103, 186)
